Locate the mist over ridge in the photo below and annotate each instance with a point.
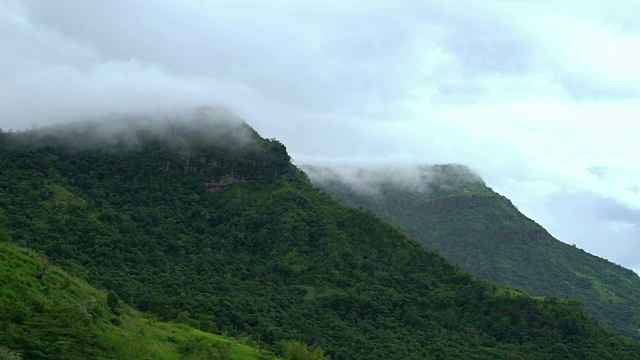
(182, 128)
(372, 179)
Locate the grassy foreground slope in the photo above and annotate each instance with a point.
(212, 224)
(47, 314)
(451, 210)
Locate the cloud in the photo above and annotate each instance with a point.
(373, 178)
(538, 97)
(183, 128)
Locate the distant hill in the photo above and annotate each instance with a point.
(449, 209)
(203, 220)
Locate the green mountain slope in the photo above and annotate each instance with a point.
(47, 314)
(212, 223)
(449, 209)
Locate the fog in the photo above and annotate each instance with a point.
(538, 97)
(372, 180)
(180, 128)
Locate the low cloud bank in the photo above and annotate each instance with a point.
(183, 128)
(423, 178)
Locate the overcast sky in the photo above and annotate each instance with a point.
(539, 97)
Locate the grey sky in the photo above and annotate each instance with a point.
(539, 98)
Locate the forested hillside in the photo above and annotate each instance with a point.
(450, 209)
(211, 224)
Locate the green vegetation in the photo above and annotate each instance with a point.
(229, 237)
(47, 314)
(486, 235)
(295, 350)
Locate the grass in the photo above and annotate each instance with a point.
(603, 291)
(63, 198)
(58, 316)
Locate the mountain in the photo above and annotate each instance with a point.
(205, 221)
(46, 313)
(450, 209)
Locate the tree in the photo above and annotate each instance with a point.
(113, 302)
(5, 236)
(295, 350)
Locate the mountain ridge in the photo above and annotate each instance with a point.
(273, 258)
(484, 232)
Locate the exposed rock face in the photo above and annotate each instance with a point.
(225, 180)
